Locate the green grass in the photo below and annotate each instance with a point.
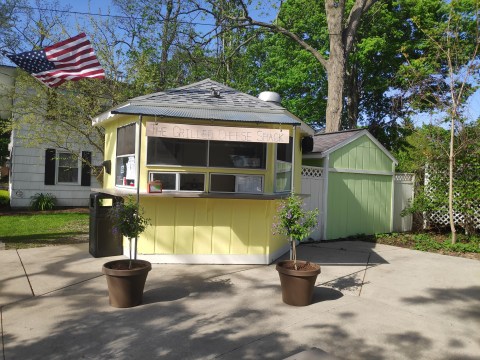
(24, 231)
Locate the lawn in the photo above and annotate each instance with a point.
(41, 229)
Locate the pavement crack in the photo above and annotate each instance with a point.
(364, 274)
(25, 271)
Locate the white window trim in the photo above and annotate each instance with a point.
(177, 180)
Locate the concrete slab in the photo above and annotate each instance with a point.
(14, 284)
(236, 312)
(53, 267)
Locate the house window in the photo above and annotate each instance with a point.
(67, 168)
(179, 181)
(250, 184)
(283, 167)
(125, 169)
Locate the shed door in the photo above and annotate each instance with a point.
(312, 184)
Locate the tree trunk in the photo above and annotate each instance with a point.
(336, 65)
(451, 160)
(353, 98)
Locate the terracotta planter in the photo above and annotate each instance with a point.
(297, 285)
(125, 286)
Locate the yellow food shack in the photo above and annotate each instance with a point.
(209, 165)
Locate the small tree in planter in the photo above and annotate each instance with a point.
(294, 221)
(297, 279)
(129, 220)
(126, 278)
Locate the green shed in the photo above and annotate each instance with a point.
(349, 176)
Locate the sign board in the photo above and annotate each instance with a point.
(217, 133)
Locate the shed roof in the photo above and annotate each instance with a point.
(197, 101)
(326, 143)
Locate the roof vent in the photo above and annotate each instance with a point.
(215, 93)
(270, 96)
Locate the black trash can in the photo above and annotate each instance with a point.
(103, 242)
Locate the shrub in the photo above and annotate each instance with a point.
(41, 201)
(4, 198)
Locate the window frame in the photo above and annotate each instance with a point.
(178, 174)
(208, 164)
(262, 177)
(58, 155)
(134, 155)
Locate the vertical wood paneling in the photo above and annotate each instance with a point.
(358, 204)
(202, 233)
(260, 228)
(184, 225)
(222, 218)
(164, 229)
(240, 227)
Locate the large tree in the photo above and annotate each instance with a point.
(343, 20)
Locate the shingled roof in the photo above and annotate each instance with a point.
(206, 99)
(326, 141)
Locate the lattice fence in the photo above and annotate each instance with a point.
(312, 172)
(441, 218)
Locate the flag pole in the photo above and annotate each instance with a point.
(137, 163)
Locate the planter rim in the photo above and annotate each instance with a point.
(147, 266)
(299, 273)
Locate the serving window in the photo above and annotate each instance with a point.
(179, 181)
(250, 184)
(176, 152)
(125, 169)
(203, 153)
(283, 167)
(237, 155)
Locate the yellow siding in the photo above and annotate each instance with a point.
(209, 226)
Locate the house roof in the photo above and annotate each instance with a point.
(198, 101)
(326, 143)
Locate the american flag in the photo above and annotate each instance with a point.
(72, 59)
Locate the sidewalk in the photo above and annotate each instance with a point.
(371, 302)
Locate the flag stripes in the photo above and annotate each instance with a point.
(72, 59)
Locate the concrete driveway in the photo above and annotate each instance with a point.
(371, 302)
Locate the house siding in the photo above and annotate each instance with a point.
(28, 174)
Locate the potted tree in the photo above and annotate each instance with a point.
(297, 278)
(126, 277)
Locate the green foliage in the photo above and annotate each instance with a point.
(4, 198)
(128, 219)
(293, 220)
(41, 201)
(428, 157)
(432, 242)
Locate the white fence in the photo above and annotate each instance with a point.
(313, 183)
(403, 191)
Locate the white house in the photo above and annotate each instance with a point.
(56, 167)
